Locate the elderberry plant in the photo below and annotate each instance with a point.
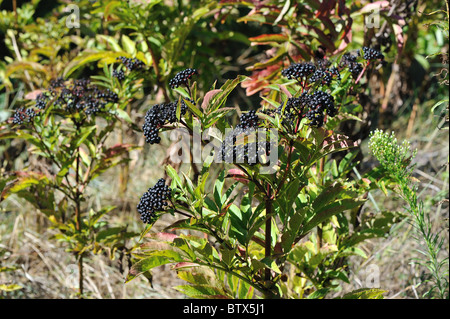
(254, 219)
(69, 124)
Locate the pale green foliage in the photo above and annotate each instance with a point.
(396, 160)
(393, 157)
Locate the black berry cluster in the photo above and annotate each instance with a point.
(22, 115)
(241, 146)
(80, 96)
(294, 108)
(41, 101)
(119, 74)
(312, 106)
(322, 76)
(350, 61)
(182, 77)
(55, 84)
(299, 70)
(154, 200)
(159, 115)
(131, 63)
(334, 71)
(319, 103)
(372, 54)
(323, 63)
(248, 120)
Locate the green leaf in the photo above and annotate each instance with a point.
(365, 293)
(145, 265)
(204, 283)
(194, 109)
(201, 291)
(331, 210)
(6, 135)
(327, 196)
(111, 40)
(84, 134)
(174, 176)
(324, 251)
(272, 61)
(128, 45)
(218, 187)
(285, 9)
(121, 114)
(228, 86)
(319, 294)
(9, 288)
(89, 57)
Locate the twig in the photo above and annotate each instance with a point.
(19, 57)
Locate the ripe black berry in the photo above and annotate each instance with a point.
(119, 74)
(298, 70)
(372, 54)
(334, 72)
(182, 78)
(29, 114)
(18, 116)
(241, 146)
(293, 109)
(320, 102)
(131, 63)
(21, 115)
(41, 101)
(80, 95)
(322, 76)
(355, 69)
(159, 115)
(347, 59)
(153, 201)
(248, 120)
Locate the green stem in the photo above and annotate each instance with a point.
(288, 164)
(78, 221)
(268, 243)
(248, 281)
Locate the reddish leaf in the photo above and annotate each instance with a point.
(33, 94)
(117, 150)
(260, 79)
(283, 88)
(323, 38)
(225, 209)
(162, 236)
(267, 38)
(184, 264)
(325, 8)
(374, 6)
(237, 175)
(208, 96)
